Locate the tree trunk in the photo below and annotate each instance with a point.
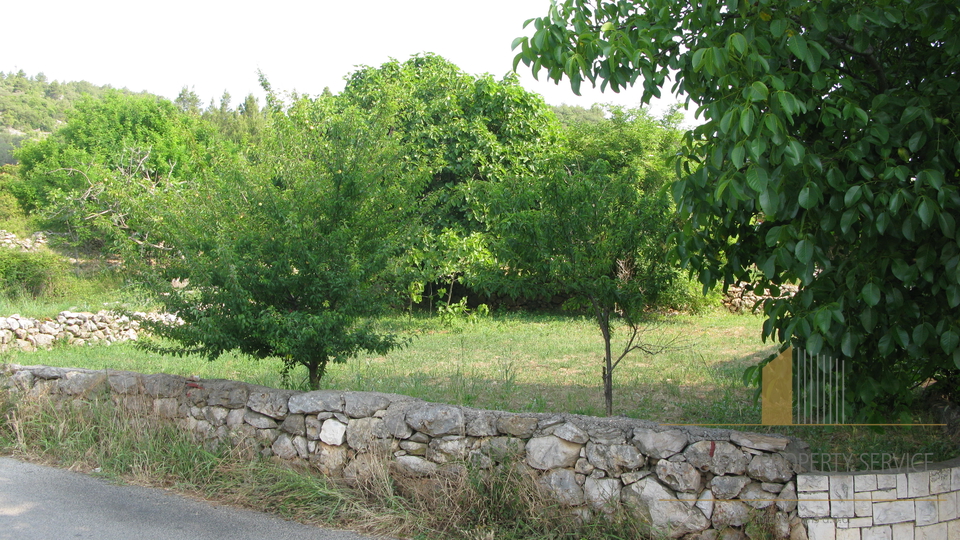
(315, 370)
(603, 319)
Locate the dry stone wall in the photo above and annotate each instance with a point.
(689, 483)
(73, 328)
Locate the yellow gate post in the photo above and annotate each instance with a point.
(776, 391)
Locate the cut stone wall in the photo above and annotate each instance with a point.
(690, 483)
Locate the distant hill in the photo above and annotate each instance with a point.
(32, 104)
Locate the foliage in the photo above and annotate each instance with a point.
(288, 264)
(464, 127)
(87, 176)
(34, 103)
(31, 273)
(592, 234)
(828, 157)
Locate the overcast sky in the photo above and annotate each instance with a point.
(305, 46)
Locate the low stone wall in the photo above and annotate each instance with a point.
(738, 299)
(81, 328)
(10, 240)
(689, 483)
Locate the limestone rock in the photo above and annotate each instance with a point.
(123, 382)
(259, 421)
(415, 467)
(718, 457)
(602, 494)
(756, 497)
(502, 449)
(770, 468)
(562, 484)
(657, 505)
(363, 404)
(294, 424)
(316, 402)
(730, 514)
(333, 432)
(312, 425)
(659, 444)
(268, 401)
(679, 476)
(757, 441)
(229, 394)
(787, 500)
(447, 449)
(705, 503)
(614, 459)
(571, 433)
(283, 447)
(517, 426)
(551, 452)
(728, 487)
(436, 420)
(482, 424)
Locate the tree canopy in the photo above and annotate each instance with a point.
(828, 157)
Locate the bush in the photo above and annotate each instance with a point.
(32, 273)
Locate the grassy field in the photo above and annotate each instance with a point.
(543, 363)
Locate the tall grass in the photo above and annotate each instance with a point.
(97, 435)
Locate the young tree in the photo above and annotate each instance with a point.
(288, 264)
(590, 234)
(828, 157)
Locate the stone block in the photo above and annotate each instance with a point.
(728, 487)
(939, 481)
(812, 482)
(449, 449)
(821, 529)
(863, 503)
(166, 407)
(902, 486)
(884, 495)
(926, 511)
(229, 394)
(860, 522)
(947, 506)
(841, 496)
(414, 467)
(124, 383)
(482, 424)
(955, 478)
(814, 504)
(294, 424)
(882, 532)
(705, 503)
(918, 484)
(312, 425)
(269, 402)
(886, 481)
(756, 497)
(932, 532)
(865, 482)
(283, 447)
(618, 458)
(893, 512)
(902, 531)
(848, 534)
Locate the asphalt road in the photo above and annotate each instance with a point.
(44, 503)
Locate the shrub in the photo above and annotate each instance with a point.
(32, 273)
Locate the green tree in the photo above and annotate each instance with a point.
(828, 157)
(288, 264)
(586, 233)
(87, 175)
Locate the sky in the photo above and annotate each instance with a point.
(304, 46)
